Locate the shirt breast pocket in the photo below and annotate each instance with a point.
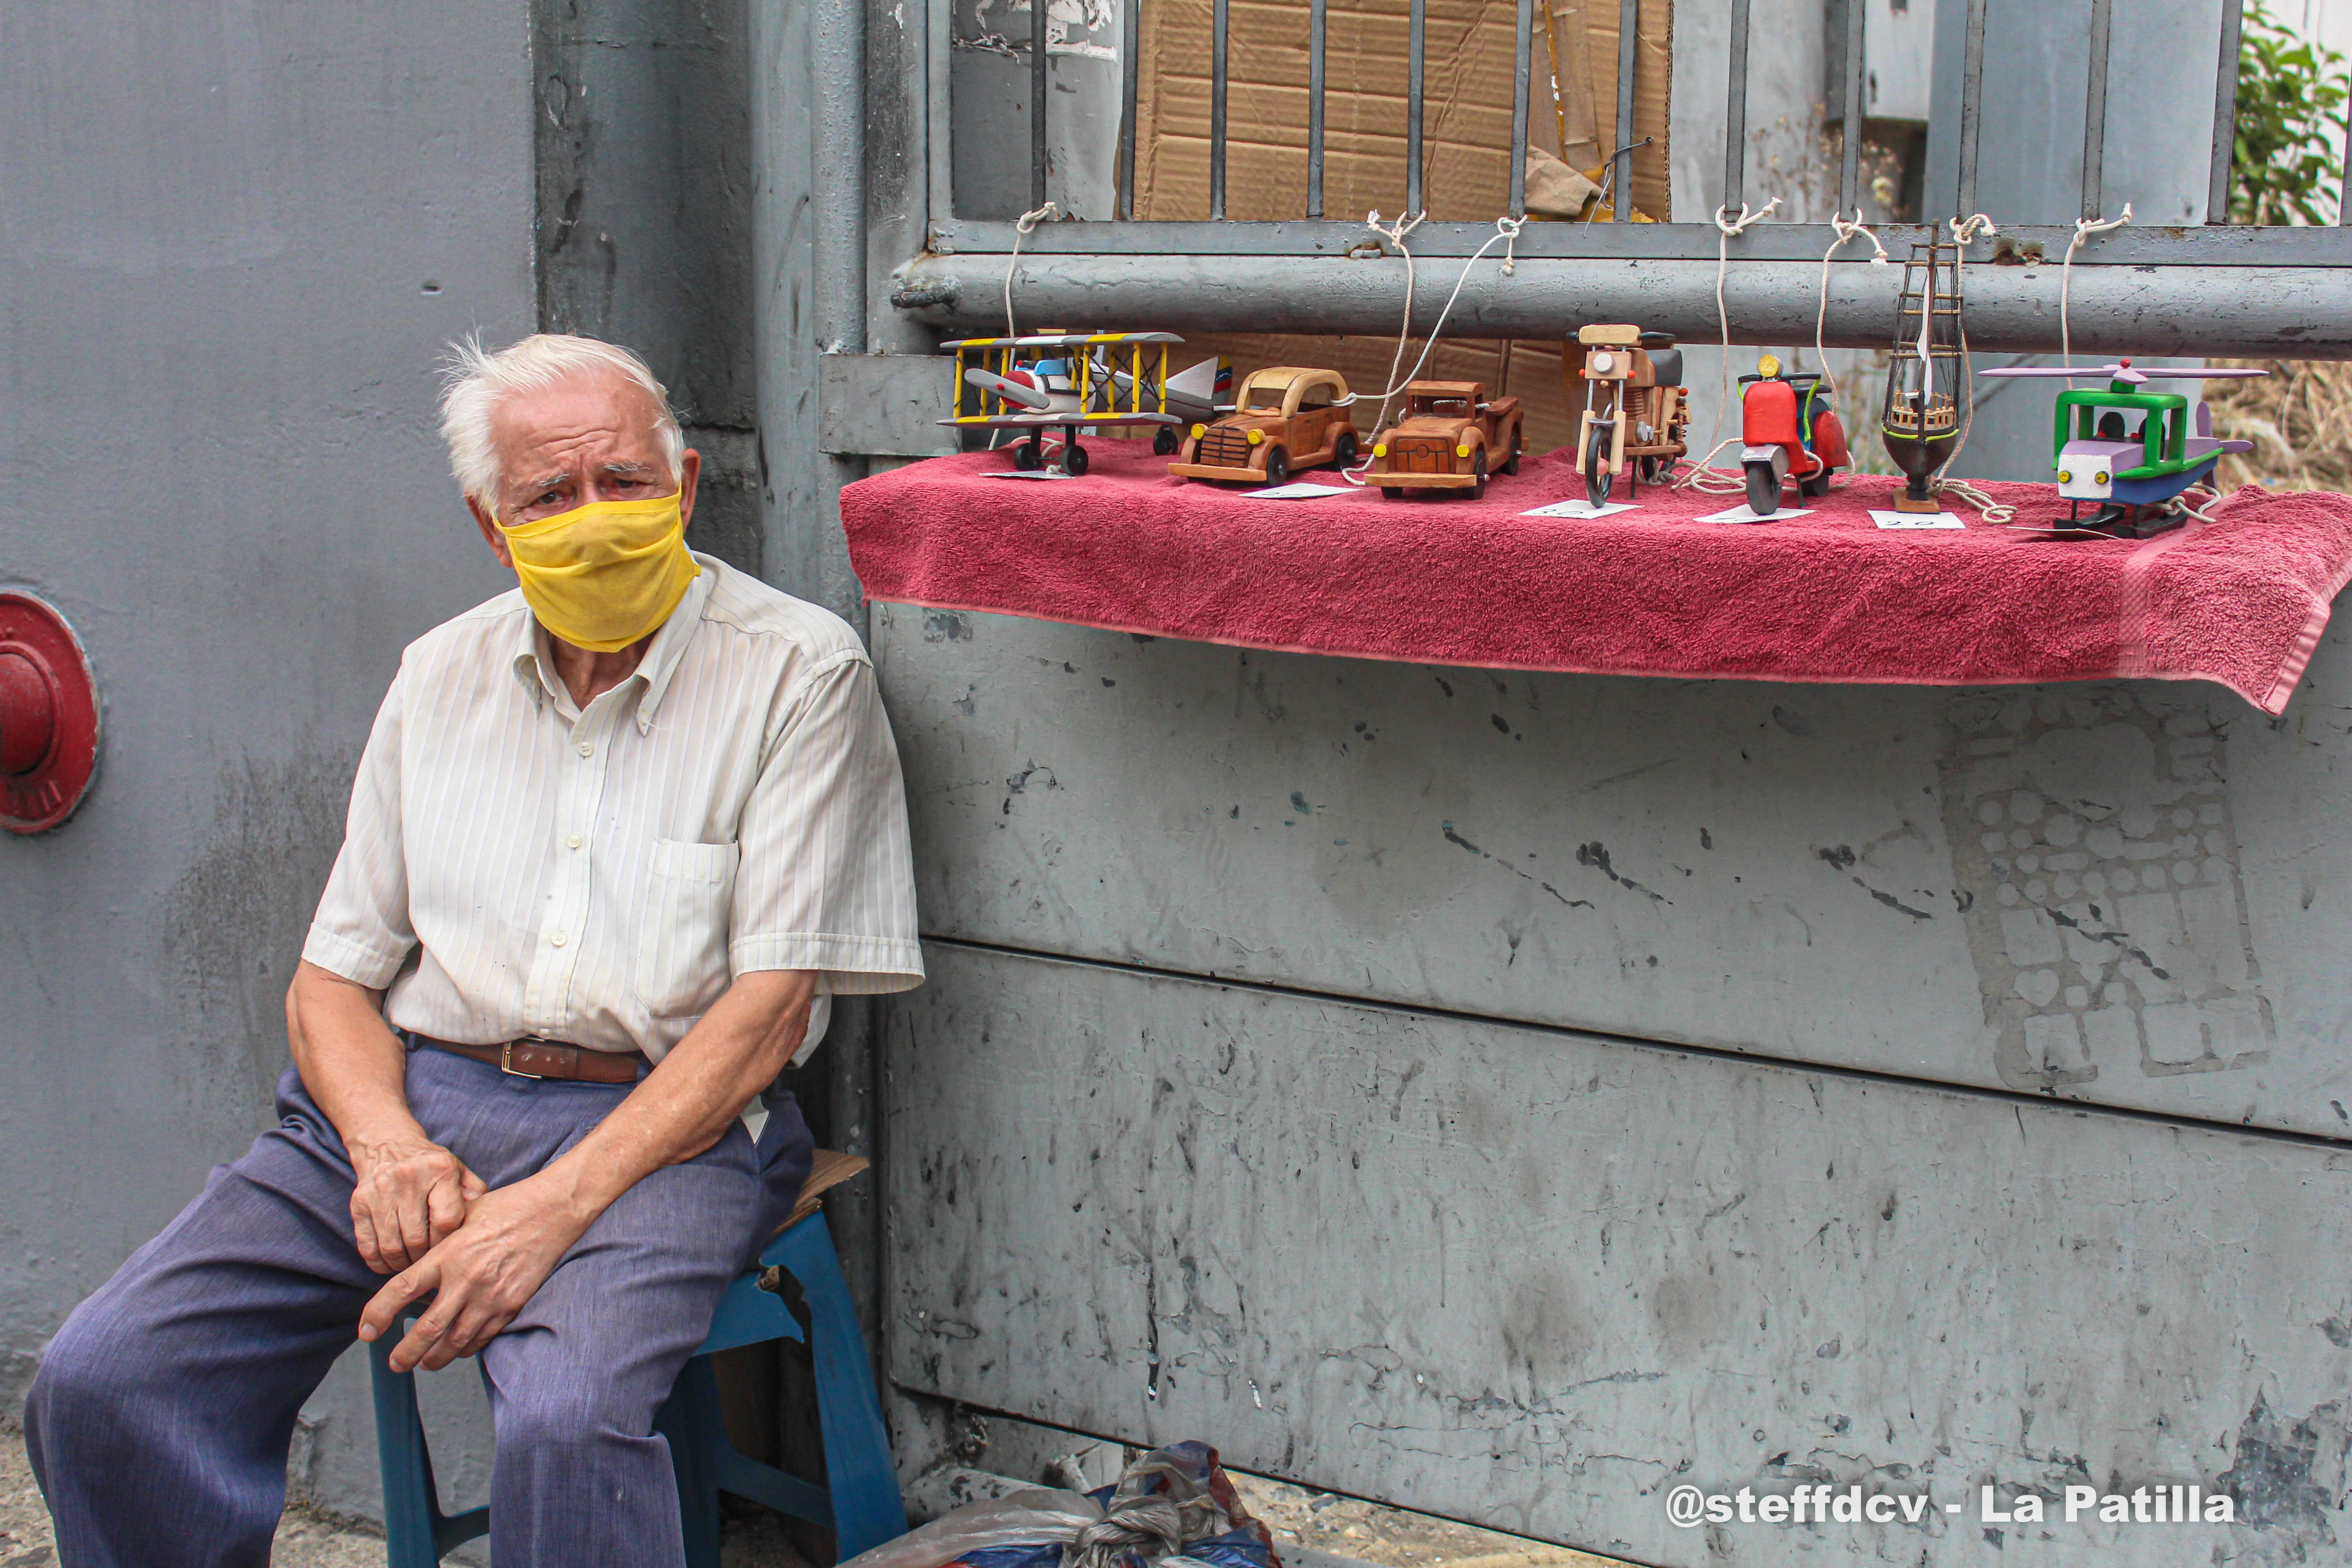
(682, 945)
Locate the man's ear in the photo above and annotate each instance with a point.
(491, 534)
(689, 467)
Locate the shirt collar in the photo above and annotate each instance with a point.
(655, 670)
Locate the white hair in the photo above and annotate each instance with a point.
(476, 380)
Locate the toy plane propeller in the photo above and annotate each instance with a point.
(2120, 370)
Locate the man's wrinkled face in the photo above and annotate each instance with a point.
(589, 437)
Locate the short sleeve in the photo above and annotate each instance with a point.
(361, 929)
(826, 878)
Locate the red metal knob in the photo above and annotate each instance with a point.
(48, 717)
(29, 715)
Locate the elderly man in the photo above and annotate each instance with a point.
(616, 839)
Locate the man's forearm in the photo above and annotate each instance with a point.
(686, 1104)
(353, 1065)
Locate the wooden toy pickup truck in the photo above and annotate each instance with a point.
(1284, 419)
(1451, 437)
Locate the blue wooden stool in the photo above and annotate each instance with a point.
(859, 1503)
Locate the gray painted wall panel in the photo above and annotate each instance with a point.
(1532, 1278)
(233, 240)
(2130, 894)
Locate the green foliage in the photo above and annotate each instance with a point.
(2291, 109)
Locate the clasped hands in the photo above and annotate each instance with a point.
(420, 1215)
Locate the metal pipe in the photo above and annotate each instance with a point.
(1734, 114)
(2095, 113)
(1629, 22)
(1129, 65)
(2277, 245)
(1972, 106)
(1415, 39)
(2255, 312)
(1849, 133)
(1037, 90)
(1523, 71)
(1314, 34)
(2225, 115)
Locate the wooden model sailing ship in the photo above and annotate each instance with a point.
(1921, 422)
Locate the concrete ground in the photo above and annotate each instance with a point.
(1329, 1526)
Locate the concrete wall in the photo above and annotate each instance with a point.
(1509, 1095)
(233, 239)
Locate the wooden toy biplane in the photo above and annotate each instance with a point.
(1069, 382)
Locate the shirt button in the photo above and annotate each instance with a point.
(558, 939)
(587, 749)
(572, 842)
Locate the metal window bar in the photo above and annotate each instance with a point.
(1522, 70)
(2225, 116)
(1130, 65)
(1036, 104)
(1416, 45)
(1850, 130)
(1971, 103)
(2095, 113)
(1220, 26)
(1629, 19)
(1735, 115)
(1317, 19)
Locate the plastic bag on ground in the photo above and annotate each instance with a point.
(1174, 1507)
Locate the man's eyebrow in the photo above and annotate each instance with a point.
(620, 465)
(549, 483)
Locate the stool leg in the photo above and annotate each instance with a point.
(402, 1461)
(691, 1421)
(867, 1508)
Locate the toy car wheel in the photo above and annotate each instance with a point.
(1163, 441)
(1815, 484)
(1393, 492)
(1596, 480)
(1073, 459)
(1763, 490)
(1277, 466)
(1511, 463)
(1025, 456)
(1343, 450)
(1478, 474)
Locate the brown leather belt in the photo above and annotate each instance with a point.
(547, 1058)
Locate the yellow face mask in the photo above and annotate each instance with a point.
(600, 576)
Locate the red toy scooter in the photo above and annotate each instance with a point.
(1788, 430)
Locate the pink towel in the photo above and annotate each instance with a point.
(1828, 596)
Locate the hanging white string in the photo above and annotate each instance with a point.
(1700, 478)
(1027, 221)
(2083, 229)
(1965, 231)
(1846, 232)
(1506, 234)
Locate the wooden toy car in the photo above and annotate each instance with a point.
(1634, 409)
(1451, 437)
(1284, 419)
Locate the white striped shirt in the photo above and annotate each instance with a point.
(514, 866)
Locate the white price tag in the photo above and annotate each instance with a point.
(1295, 492)
(1030, 474)
(1914, 518)
(1580, 509)
(1744, 513)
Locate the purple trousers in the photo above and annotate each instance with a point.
(159, 1419)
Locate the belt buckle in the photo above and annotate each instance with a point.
(506, 1063)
